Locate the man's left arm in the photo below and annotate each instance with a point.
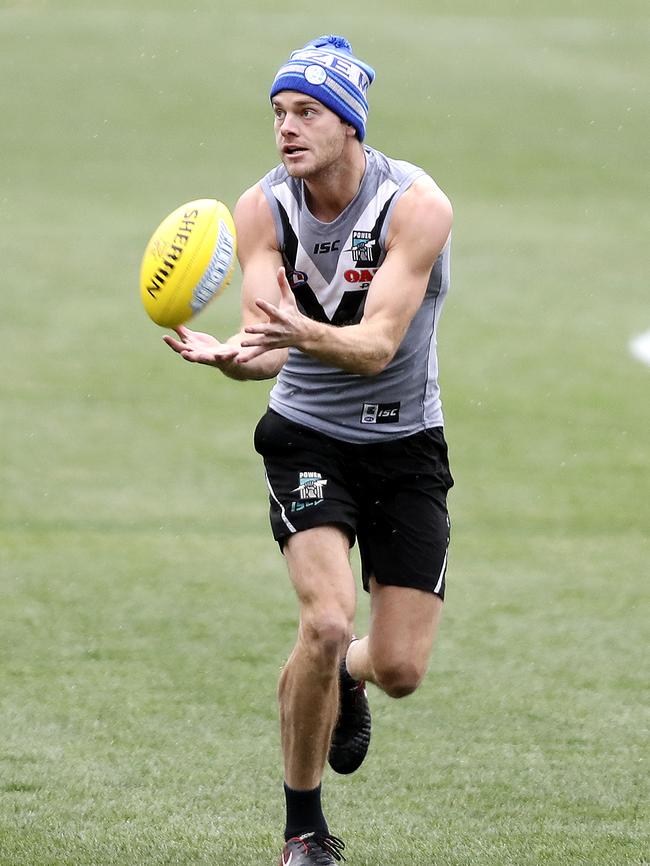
(420, 228)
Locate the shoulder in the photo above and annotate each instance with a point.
(420, 200)
(251, 200)
(423, 211)
(252, 209)
(424, 201)
(253, 219)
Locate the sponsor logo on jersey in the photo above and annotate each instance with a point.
(360, 275)
(327, 247)
(310, 485)
(380, 413)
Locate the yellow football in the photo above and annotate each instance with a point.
(189, 260)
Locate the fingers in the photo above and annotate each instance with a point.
(283, 282)
(217, 356)
(176, 345)
(270, 309)
(179, 345)
(262, 340)
(227, 353)
(251, 352)
(212, 359)
(181, 349)
(287, 300)
(287, 297)
(269, 334)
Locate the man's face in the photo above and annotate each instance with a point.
(309, 137)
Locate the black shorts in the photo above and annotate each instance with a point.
(392, 496)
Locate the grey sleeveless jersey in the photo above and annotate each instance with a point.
(330, 267)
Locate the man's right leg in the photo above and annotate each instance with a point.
(318, 562)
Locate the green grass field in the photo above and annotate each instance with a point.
(144, 609)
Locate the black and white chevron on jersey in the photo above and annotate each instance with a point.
(330, 267)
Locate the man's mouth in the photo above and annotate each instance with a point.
(292, 150)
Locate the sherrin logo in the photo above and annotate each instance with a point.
(188, 260)
(171, 252)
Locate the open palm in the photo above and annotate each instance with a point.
(200, 348)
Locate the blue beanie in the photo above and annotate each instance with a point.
(327, 70)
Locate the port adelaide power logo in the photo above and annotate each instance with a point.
(310, 485)
(310, 489)
(363, 247)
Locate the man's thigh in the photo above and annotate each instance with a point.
(319, 568)
(404, 525)
(306, 477)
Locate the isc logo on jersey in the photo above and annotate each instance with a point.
(380, 413)
(327, 247)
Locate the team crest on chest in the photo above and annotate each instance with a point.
(363, 246)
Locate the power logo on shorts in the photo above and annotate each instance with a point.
(310, 485)
(310, 490)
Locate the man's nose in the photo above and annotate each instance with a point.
(288, 125)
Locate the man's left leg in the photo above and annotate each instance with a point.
(403, 540)
(395, 653)
(394, 656)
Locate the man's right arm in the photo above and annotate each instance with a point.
(259, 258)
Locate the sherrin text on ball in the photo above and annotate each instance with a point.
(189, 260)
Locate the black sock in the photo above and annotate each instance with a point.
(304, 812)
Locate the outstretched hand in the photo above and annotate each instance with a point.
(200, 348)
(286, 326)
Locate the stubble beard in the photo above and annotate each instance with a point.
(322, 168)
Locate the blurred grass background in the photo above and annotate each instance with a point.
(144, 609)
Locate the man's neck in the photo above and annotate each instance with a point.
(331, 192)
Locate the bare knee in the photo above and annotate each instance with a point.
(399, 678)
(325, 636)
